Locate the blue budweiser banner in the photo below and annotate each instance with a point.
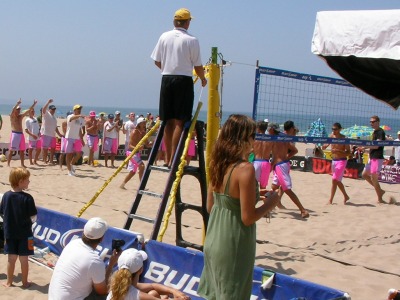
(55, 230)
(170, 265)
(181, 269)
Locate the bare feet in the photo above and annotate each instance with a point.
(6, 284)
(330, 202)
(280, 206)
(26, 285)
(392, 200)
(122, 186)
(305, 214)
(347, 198)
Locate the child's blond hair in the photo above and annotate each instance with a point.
(18, 174)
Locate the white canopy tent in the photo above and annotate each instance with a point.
(363, 47)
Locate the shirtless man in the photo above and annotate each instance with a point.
(262, 152)
(92, 135)
(17, 140)
(135, 162)
(282, 152)
(339, 162)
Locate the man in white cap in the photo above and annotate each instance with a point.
(74, 138)
(126, 279)
(176, 54)
(127, 129)
(48, 131)
(80, 271)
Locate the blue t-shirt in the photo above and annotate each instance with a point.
(17, 208)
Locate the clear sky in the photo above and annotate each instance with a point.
(97, 52)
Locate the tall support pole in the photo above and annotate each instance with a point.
(213, 116)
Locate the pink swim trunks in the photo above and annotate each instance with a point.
(374, 165)
(282, 175)
(134, 162)
(338, 167)
(17, 141)
(262, 168)
(93, 142)
(110, 146)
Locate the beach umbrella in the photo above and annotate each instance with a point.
(386, 127)
(317, 129)
(356, 131)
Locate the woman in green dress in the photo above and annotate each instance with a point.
(230, 245)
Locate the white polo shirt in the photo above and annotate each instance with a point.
(178, 52)
(49, 124)
(73, 128)
(32, 125)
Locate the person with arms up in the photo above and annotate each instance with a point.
(125, 283)
(80, 271)
(19, 212)
(230, 244)
(48, 131)
(374, 165)
(32, 128)
(339, 162)
(17, 140)
(176, 54)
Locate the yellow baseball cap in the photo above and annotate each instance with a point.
(182, 14)
(77, 106)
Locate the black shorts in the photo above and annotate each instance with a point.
(22, 247)
(176, 97)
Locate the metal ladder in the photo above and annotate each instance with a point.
(180, 207)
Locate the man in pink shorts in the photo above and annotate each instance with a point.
(74, 137)
(339, 162)
(262, 154)
(92, 135)
(110, 144)
(282, 152)
(48, 131)
(17, 139)
(374, 165)
(33, 130)
(135, 163)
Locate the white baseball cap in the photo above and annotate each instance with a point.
(95, 228)
(132, 260)
(140, 120)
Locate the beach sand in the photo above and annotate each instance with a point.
(351, 247)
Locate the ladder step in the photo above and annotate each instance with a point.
(160, 168)
(156, 195)
(142, 218)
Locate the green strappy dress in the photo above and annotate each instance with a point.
(229, 251)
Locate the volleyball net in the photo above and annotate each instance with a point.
(281, 95)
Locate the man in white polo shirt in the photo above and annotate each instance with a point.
(176, 54)
(48, 131)
(74, 138)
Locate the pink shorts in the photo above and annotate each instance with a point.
(110, 146)
(282, 175)
(134, 162)
(374, 165)
(17, 141)
(37, 144)
(93, 142)
(338, 167)
(192, 148)
(73, 145)
(48, 142)
(262, 168)
(63, 145)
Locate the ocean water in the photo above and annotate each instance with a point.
(302, 122)
(61, 111)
